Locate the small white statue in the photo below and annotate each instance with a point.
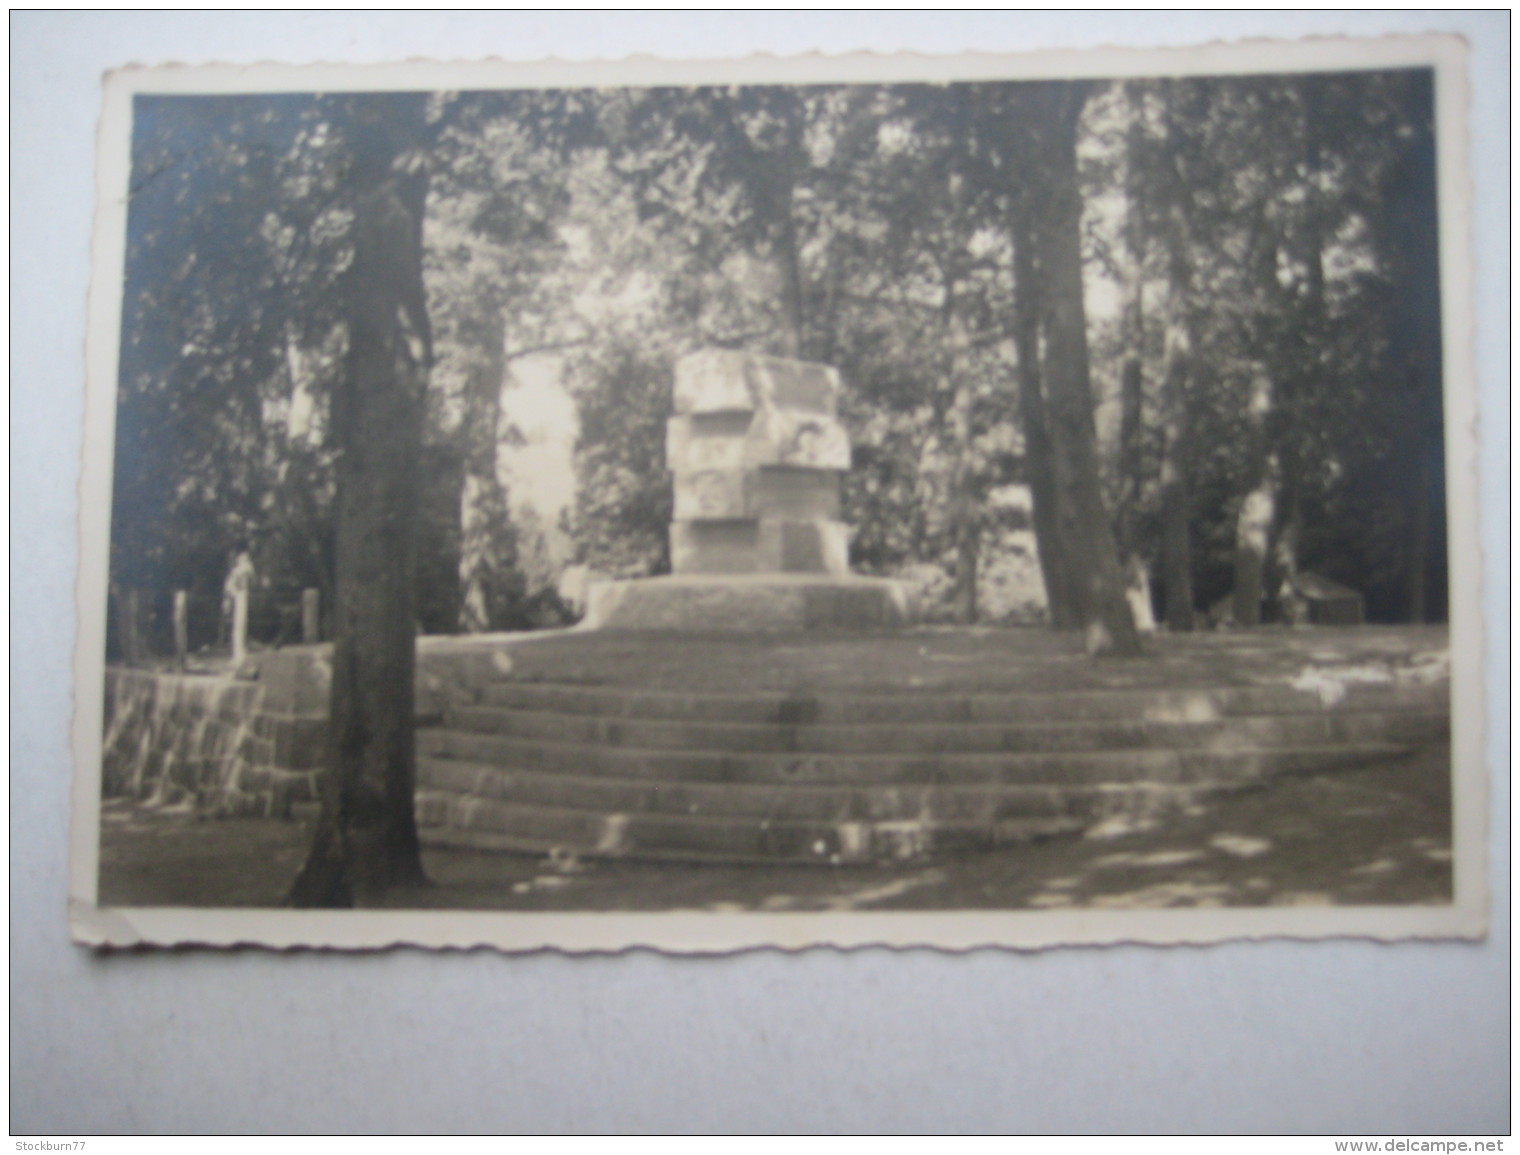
(235, 602)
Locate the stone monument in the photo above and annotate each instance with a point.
(756, 451)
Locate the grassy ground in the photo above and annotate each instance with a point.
(1377, 834)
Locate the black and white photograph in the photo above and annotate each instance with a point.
(910, 501)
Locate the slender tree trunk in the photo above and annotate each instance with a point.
(789, 258)
(1086, 530)
(1282, 566)
(1037, 451)
(1131, 461)
(1137, 578)
(1285, 530)
(965, 525)
(1131, 421)
(366, 840)
(1253, 527)
(482, 502)
(1415, 599)
(1254, 521)
(1298, 367)
(789, 245)
(1176, 549)
(772, 190)
(1176, 373)
(965, 517)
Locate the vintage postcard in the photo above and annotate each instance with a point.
(772, 503)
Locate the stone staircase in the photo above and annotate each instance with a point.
(618, 771)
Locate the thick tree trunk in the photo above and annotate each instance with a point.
(1407, 242)
(366, 840)
(1086, 531)
(1037, 453)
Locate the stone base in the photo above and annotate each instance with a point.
(748, 602)
(762, 547)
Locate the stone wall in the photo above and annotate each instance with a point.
(178, 739)
(237, 746)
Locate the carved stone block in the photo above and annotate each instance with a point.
(726, 494)
(718, 380)
(803, 440)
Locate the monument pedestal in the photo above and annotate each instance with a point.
(748, 602)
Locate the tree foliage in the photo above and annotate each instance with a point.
(1272, 240)
(1289, 224)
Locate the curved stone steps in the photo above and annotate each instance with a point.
(830, 803)
(599, 770)
(1201, 704)
(1085, 766)
(489, 824)
(1045, 736)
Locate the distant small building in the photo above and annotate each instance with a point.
(1316, 600)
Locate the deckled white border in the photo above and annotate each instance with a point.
(705, 932)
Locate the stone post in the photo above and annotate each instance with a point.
(311, 616)
(181, 628)
(239, 626)
(132, 634)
